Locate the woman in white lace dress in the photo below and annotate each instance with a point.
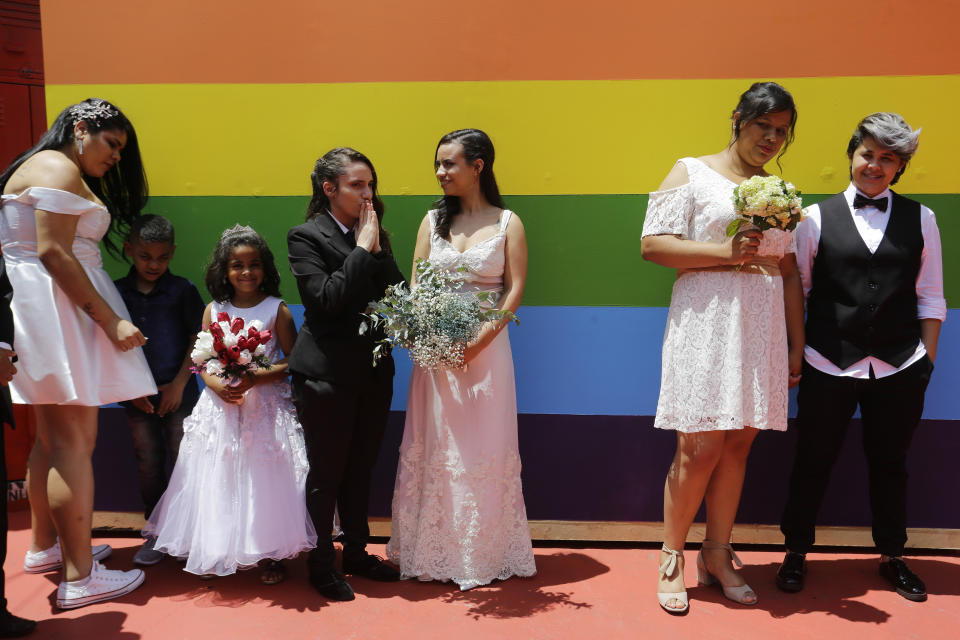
(736, 306)
(458, 511)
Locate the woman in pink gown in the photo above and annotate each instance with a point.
(458, 511)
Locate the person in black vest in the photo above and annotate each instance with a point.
(870, 262)
(11, 626)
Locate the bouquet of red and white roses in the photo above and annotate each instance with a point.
(229, 351)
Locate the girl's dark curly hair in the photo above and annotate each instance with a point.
(218, 284)
(476, 144)
(123, 189)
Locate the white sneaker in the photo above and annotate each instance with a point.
(52, 559)
(102, 584)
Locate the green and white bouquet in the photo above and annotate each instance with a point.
(434, 321)
(766, 202)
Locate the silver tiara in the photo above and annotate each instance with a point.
(94, 112)
(237, 230)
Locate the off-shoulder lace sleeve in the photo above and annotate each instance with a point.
(792, 245)
(669, 212)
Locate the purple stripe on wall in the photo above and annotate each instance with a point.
(612, 468)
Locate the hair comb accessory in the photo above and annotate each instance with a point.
(93, 111)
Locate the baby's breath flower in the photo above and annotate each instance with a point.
(434, 321)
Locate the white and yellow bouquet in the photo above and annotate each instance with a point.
(434, 321)
(766, 202)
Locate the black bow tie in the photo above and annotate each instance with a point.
(859, 202)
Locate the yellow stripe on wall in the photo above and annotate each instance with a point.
(566, 137)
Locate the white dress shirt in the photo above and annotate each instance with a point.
(339, 224)
(871, 223)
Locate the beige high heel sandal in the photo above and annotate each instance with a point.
(704, 577)
(668, 568)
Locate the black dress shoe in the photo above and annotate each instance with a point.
(13, 627)
(904, 581)
(791, 573)
(371, 567)
(331, 584)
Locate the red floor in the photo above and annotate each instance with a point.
(597, 594)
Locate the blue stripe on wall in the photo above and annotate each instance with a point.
(606, 361)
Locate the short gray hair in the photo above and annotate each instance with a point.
(891, 131)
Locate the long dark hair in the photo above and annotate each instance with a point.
(476, 144)
(759, 100)
(123, 189)
(329, 167)
(218, 284)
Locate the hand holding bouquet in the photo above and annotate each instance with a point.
(434, 321)
(766, 202)
(229, 351)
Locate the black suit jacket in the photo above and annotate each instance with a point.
(336, 283)
(6, 335)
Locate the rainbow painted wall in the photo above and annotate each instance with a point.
(589, 105)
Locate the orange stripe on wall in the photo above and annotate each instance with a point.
(316, 41)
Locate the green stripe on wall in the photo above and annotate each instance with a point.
(584, 249)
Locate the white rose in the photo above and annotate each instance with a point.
(260, 350)
(204, 341)
(244, 357)
(255, 324)
(214, 368)
(229, 340)
(226, 327)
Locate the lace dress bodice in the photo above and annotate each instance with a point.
(484, 261)
(701, 210)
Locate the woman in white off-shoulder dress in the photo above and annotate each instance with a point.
(736, 306)
(76, 344)
(458, 510)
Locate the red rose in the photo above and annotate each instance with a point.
(222, 357)
(253, 341)
(216, 330)
(236, 325)
(242, 343)
(234, 352)
(265, 336)
(223, 316)
(252, 332)
(218, 345)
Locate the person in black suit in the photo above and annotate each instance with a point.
(342, 260)
(10, 625)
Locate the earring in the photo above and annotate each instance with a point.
(80, 146)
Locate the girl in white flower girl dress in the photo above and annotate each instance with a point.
(236, 496)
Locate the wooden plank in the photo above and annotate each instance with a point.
(111, 522)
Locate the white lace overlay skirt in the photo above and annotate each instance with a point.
(236, 495)
(458, 511)
(724, 354)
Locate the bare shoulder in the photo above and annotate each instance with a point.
(677, 177)
(514, 224)
(50, 169)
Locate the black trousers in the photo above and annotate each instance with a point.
(3, 516)
(343, 427)
(890, 410)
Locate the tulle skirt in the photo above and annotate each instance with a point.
(236, 495)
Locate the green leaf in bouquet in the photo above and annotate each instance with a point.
(733, 227)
